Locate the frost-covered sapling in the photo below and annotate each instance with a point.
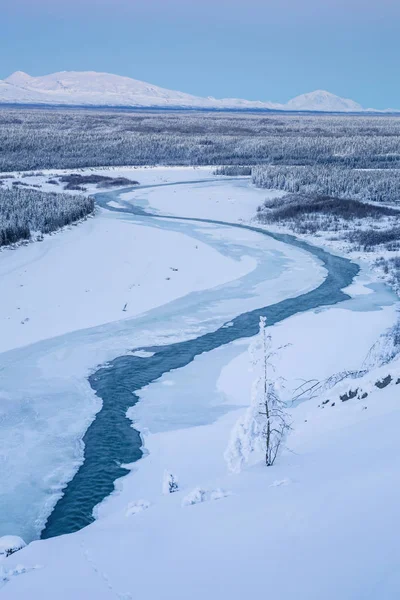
(263, 427)
(170, 483)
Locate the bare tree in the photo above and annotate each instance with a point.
(271, 408)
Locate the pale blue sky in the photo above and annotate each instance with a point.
(255, 49)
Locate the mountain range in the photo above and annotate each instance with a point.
(89, 88)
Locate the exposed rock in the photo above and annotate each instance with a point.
(382, 383)
(350, 394)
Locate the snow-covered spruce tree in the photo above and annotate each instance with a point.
(262, 428)
(170, 483)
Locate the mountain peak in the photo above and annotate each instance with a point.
(322, 100)
(19, 78)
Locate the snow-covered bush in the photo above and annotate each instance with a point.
(385, 349)
(199, 495)
(262, 428)
(25, 211)
(391, 269)
(368, 239)
(75, 181)
(311, 214)
(7, 575)
(170, 483)
(10, 544)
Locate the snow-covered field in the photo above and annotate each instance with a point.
(319, 524)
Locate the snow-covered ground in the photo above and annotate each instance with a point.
(324, 512)
(104, 270)
(319, 524)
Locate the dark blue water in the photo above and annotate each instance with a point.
(110, 440)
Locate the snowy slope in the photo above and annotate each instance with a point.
(319, 524)
(13, 94)
(104, 89)
(91, 88)
(96, 88)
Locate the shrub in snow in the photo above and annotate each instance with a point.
(7, 574)
(245, 439)
(263, 427)
(318, 212)
(194, 497)
(136, 507)
(74, 181)
(367, 239)
(170, 483)
(391, 269)
(10, 544)
(199, 495)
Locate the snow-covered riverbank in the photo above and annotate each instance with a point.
(219, 547)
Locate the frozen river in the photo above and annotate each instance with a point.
(47, 405)
(110, 441)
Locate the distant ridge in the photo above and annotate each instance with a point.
(89, 88)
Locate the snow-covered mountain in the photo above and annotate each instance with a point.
(95, 88)
(324, 101)
(103, 89)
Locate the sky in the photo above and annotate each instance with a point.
(254, 49)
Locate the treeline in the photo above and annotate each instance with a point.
(336, 182)
(233, 170)
(24, 212)
(42, 138)
(313, 214)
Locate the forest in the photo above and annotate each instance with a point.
(25, 213)
(43, 139)
(338, 182)
(316, 159)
